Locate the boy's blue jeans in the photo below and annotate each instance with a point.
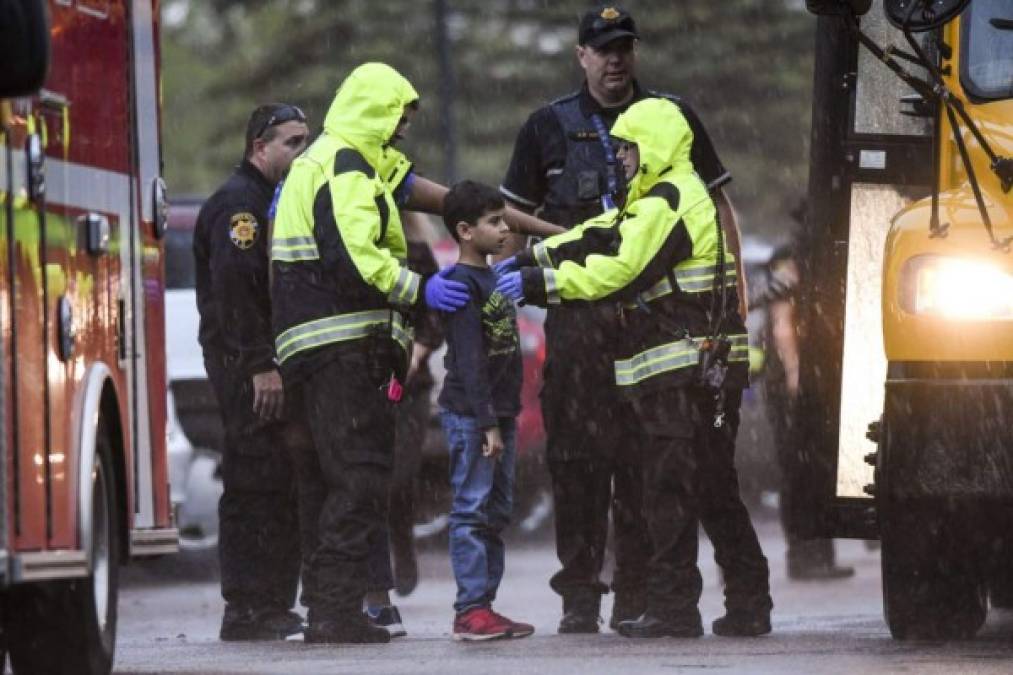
(483, 490)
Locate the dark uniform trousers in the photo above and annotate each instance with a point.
(690, 479)
(258, 540)
(593, 450)
(344, 478)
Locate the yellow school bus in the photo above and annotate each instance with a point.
(907, 304)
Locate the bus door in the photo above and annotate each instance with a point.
(868, 160)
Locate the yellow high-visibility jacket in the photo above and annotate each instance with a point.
(338, 250)
(657, 256)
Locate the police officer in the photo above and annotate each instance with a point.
(341, 292)
(682, 360)
(258, 542)
(562, 165)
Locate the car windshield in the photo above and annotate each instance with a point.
(179, 263)
(987, 58)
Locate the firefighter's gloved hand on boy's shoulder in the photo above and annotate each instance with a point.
(507, 265)
(445, 294)
(511, 285)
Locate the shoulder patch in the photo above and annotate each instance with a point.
(347, 160)
(243, 230)
(666, 191)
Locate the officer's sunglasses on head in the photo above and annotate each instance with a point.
(288, 113)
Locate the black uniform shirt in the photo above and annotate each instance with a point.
(233, 294)
(540, 149)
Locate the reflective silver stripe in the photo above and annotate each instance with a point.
(542, 256)
(294, 249)
(401, 333)
(302, 244)
(290, 242)
(330, 329)
(690, 280)
(285, 255)
(672, 356)
(413, 290)
(405, 289)
(551, 289)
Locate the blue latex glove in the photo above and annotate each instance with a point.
(505, 266)
(511, 285)
(445, 294)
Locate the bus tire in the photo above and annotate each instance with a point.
(933, 586)
(66, 627)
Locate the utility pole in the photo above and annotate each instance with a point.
(448, 93)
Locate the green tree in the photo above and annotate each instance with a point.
(744, 65)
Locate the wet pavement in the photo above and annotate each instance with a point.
(169, 624)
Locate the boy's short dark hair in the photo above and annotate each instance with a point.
(468, 201)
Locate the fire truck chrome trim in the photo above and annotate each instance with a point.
(42, 565)
(154, 541)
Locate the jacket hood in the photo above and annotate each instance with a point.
(663, 138)
(367, 108)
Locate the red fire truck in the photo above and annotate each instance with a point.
(83, 483)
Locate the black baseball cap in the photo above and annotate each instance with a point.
(605, 24)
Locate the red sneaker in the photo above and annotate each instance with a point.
(481, 623)
(518, 629)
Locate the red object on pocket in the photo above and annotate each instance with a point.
(394, 390)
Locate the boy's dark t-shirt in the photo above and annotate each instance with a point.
(483, 361)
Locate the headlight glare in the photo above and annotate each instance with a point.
(957, 288)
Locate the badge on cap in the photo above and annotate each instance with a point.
(609, 13)
(243, 230)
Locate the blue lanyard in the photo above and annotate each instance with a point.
(273, 209)
(608, 200)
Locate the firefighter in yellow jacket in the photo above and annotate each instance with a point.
(683, 363)
(342, 296)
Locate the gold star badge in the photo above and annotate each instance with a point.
(609, 13)
(243, 230)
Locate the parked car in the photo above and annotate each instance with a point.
(194, 427)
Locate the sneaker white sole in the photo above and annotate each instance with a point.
(478, 637)
(396, 630)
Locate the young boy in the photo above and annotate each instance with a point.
(479, 401)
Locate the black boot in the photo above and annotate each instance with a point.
(628, 606)
(581, 612)
(353, 629)
(686, 625)
(742, 624)
(243, 624)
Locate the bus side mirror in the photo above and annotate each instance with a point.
(919, 16)
(838, 7)
(24, 34)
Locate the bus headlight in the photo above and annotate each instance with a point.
(956, 288)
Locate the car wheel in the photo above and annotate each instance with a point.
(933, 587)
